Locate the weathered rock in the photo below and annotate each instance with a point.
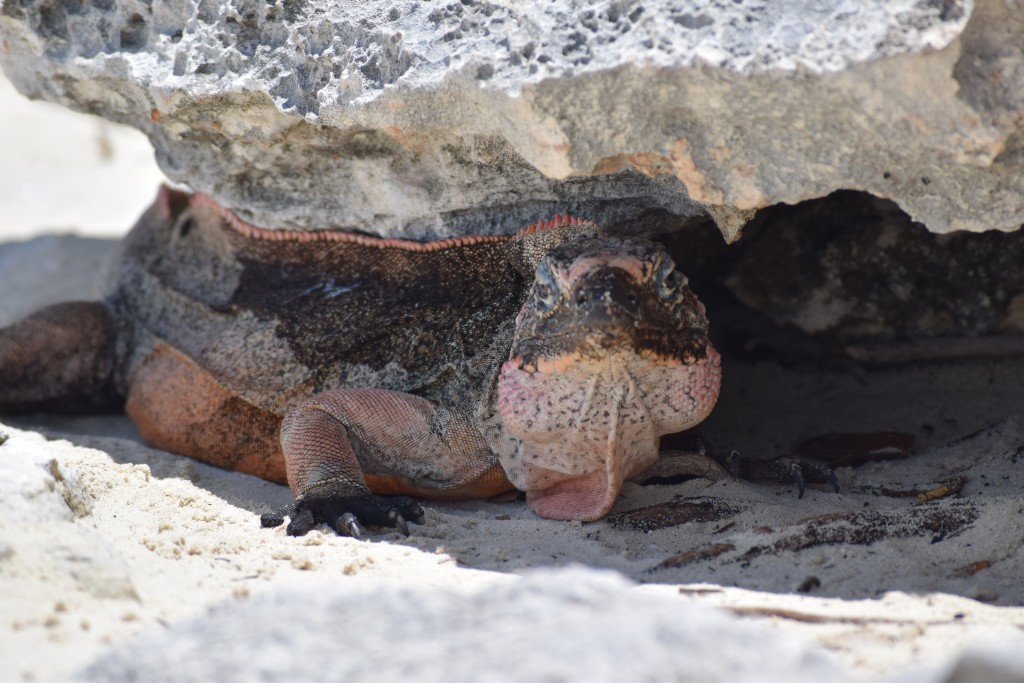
(431, 118)
(569, 625)
(852, 268)
(40, 496)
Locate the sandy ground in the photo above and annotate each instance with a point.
(103, 539)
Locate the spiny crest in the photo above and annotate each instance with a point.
(528, 246)
(559, 221)
(251, 231)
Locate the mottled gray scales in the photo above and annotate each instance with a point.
(428, 312)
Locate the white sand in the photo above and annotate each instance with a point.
(103, 539)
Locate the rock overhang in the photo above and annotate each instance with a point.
(426, 119)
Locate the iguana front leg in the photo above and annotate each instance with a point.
(343, 448)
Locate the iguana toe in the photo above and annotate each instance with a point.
(301, 523)
(399, 521)
(833, 481)
(797, 472)
(271, 519)
(802, 472)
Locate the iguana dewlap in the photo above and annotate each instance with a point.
(348, 366)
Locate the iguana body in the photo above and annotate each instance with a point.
(551, 361)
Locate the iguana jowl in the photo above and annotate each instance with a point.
(357, 368)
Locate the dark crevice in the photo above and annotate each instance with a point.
(816, 278)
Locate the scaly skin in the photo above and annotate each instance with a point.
(610, 354)
(365, 370)
(584, 425)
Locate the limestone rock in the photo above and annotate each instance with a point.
(39, 541)
(569, 625)
(431, 118)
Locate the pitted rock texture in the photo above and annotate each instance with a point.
(853, 268)
(426, 119)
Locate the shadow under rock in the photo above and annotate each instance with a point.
(753, 535)
(944, 519)
(858, 543)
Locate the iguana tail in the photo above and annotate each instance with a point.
(60, 359)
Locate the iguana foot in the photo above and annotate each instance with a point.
(784, 469)
(700, 460)
(347, 514)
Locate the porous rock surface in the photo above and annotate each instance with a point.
(439, 117)
(569, 625)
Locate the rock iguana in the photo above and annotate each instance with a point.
(364, 370)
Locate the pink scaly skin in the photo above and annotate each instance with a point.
(582, 419)
(594, 423)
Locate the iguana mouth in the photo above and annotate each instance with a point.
(652, 346)
(561, 362)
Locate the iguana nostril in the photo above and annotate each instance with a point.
(581, 299)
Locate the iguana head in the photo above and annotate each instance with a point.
(610, 353)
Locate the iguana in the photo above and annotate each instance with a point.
(364, 370)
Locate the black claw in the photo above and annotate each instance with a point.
(409, 509)
(833, 481)
(798, 478)
(734, 463)
(398, 521)
(415, 513)
(348, 525)
(347, 514)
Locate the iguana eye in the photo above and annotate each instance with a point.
(545, 296)
(545, 293)
(668, 281)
